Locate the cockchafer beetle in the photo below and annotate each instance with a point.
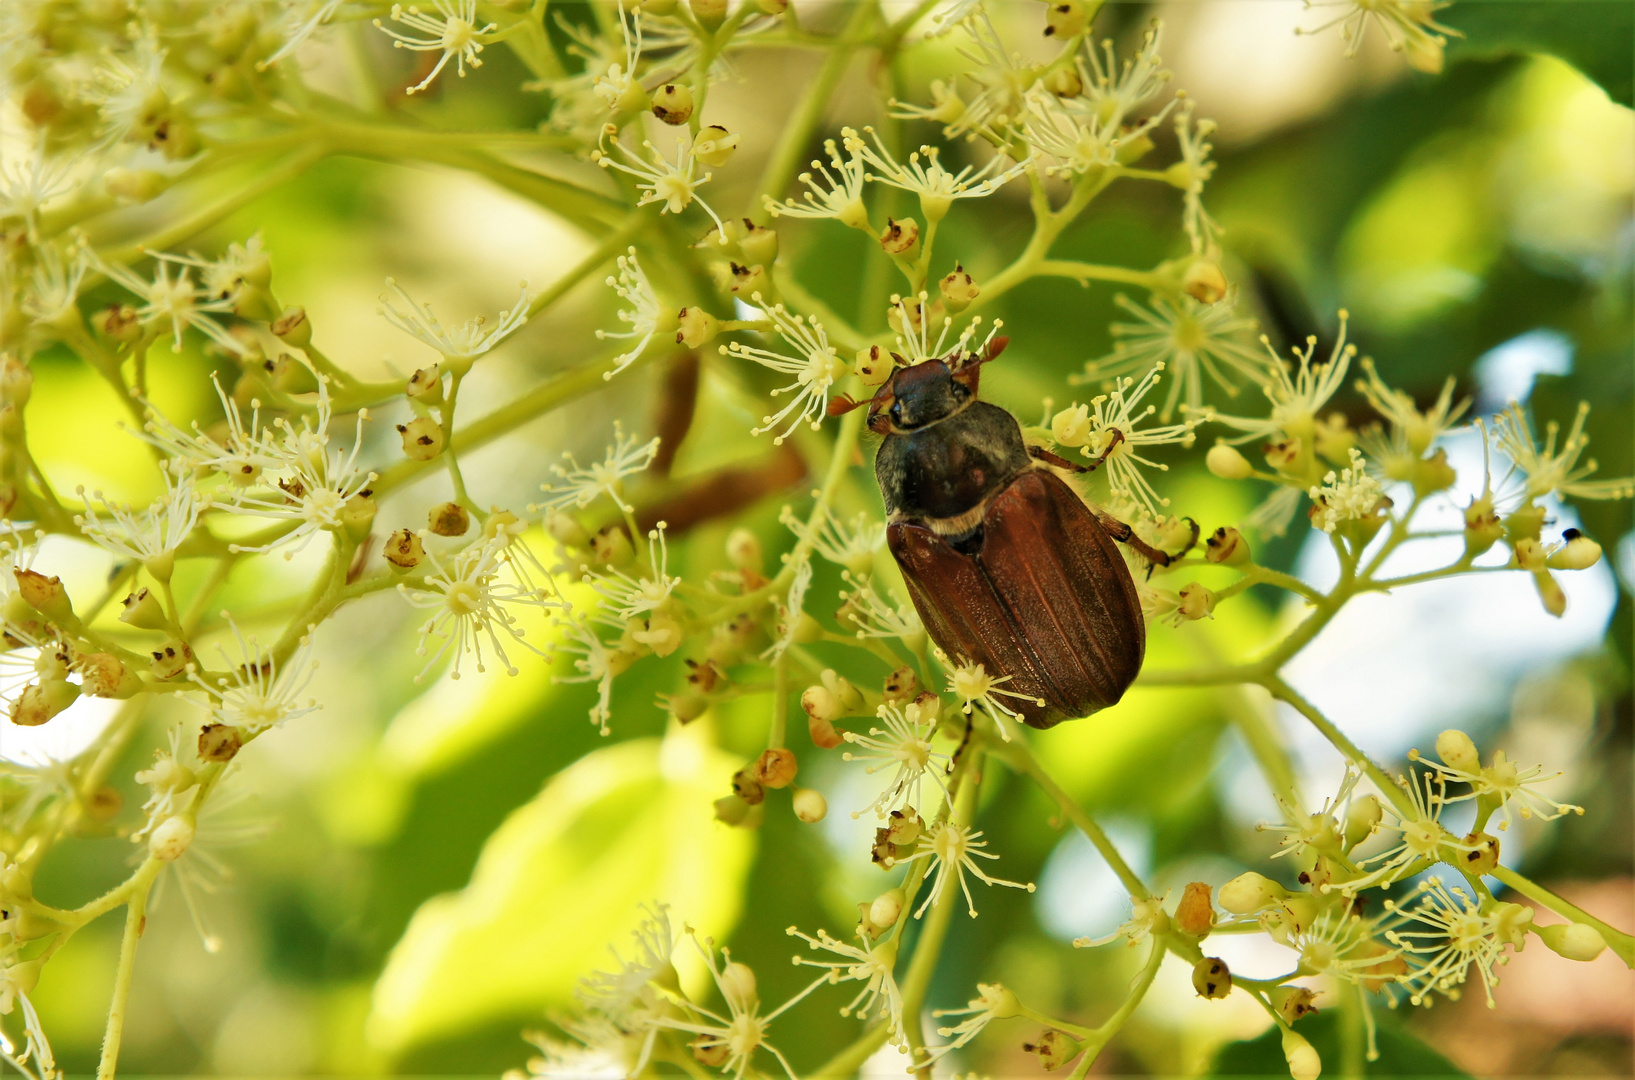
(1006, 564)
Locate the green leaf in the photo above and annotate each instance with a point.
(1402, 1054)
(1591, 35)
(559, 881)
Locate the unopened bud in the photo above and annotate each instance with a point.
(1211, 978)
(695, 327)
(1249, 893)
(1064, 82)
(1433, 474)
(422, 438)
(44, 594)
(220, 742)
(1066, 18)
(1577, 552)
(1457, 751)
(1362, 817)
(874, 365)
(673, 103)
(901, 685)
(1304, 1064)
(776, 767)
(41, 701)
(1575, 941)
(141, 609)
(744, 549)
(118, 322)
(293, 327)
(738, 987)
(900, 237)
(715, 145)
(733, 810)
(1196, 602)
(709, 12)
(903, 827)
(746, 787)
(958, 289)
(1483, 857)
(1292, 1002)
(1055, 1049)
(1203, 281)
(662, 633)
(759, 243)
(886, 909)
(566, 529)
(403, 550)
(448, 519)
(1226, 547)
(134, 185)
(171, 659)
(685, 707)
(172, 837)
(1227, 463)
(1071, 426)
(1284, 455)
(611, 547)
(104, 675)
(810, 805)
(1195, 915)
(1550, 593)
(426, 386)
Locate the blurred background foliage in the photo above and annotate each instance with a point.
(436, 865)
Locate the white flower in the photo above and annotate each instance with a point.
(593, 661)
(743, 1030)
(904, 744)
(1191, 173)
(1352, 494)
(1319, 833)
(225, 278)
(870, 966)
(1504, 782)
(816, 368)
(127, 93)
(632, 598)
(993, 1003)
(472, 603)
(54, 284)
(1336, 942)
(675, 185)
(317, 13)
(153, 533)
(1421, 836)
(923, 175)
(258, 694)
(1114, 430)
(1547, 468)
(170, 782)
(1461, 933)
(1407, 25)
(466, 342)
(453, 32)
(27, 185)
(646, 311)
(1001, 76)
(841, 197)
(35, 1047)
(1412, 432)
(580, 486)
(1190, 339)
(620, 994)
(175, 300)
(914, 339)
(1117, 92)
(955, 849)
(850, 544)
(1078, 139)
(972, 684)
(1295, 400)
(1147, 917)
(618, 79)
(242, 454)
(951, 15)
(790, 611)
(875, 617)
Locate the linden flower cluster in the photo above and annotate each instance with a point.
(134, 130)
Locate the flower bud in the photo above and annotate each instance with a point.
(1304, 1064)
(41, 701)
(1196, 602)
(104, 675)
(422, 438)
(1433, 474)
(141, 609)
(171, 659)
(357, 515)
(738, 986)
(1482, 527)
(220, 742)
(673, 103)
(874, 365)
(1292, 1002)
(1064, 82)
(810, 805)
(1362, 817)
(661, 632)
(904, 826)
(448, 519)
(733, 810)
(1066, 18)
(958, 289)
(611, 547)
(1577, 552)
(1283, 456)
(1203, 281)
(822, 731)
(901, 237)
(404, 550)
(566, 529)
(1071, 426)
(695, 327)
(172, 837)
(1227, 463)
(426, 386)
(1227, 547)
(1485, 856)
(901, 686)
(715, 145)
(44, 594)
(1575, 941)
(759, 243)
(1524, 523)
(886, 909)
(749, 280)
(775, 768)
(1195, 915)
(1055, 1049)
(1249, 893)
(746, 787)
(1211, 978)
(134, 185)
(1550, 593)
(293, 327)
(709, 12)
(744, 549)
(117, 322)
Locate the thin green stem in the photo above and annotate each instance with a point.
(1622, 944)
(135, 923)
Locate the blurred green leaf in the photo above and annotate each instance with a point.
(1402, 1054)
(1592, 35)
(560, 880)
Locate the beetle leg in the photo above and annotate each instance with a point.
(1039, 453)
(965, 740)
(1121, 532)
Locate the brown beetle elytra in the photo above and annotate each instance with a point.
(1005, 563)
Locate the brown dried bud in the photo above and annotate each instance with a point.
(105, 675)
(448, 519)
(1227, 547)
(1195, 914)
(705, 677)
(901, 686)
(673, 103)
(1211, 978)
(44, 594)
(422, 438)
(901, 236)
(1292, 1002)
(426, 386)
(293, 327)
(171, 659)
(220, 742)
(1055, 1049)
(883, 853)
(776, 767)
(403, 550)
(41, 701)
(746, 787)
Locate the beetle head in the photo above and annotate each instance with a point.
(922, 394)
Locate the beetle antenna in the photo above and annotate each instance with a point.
(843, 404)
